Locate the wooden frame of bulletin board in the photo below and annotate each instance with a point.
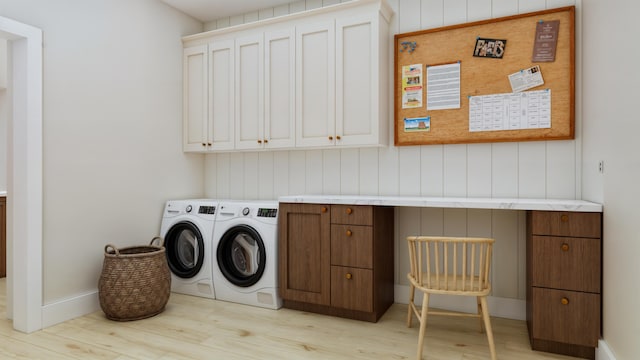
(487, 76)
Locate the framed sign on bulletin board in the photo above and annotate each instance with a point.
(496, 80)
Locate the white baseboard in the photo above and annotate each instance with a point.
(499, 307)
(603, 352)
(67, 309)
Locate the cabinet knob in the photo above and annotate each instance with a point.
(324, 209)
(338, 137)
(349, 211)
(564, 218)
(204, 144)
(565, 247)
(348, 276)
(209, 144)
(266, 141)
(349, 233)
(259, 141)
(331, 138)
(564, 301)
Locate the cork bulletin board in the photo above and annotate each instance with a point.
(481, 76)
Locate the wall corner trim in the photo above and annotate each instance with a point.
(603, 352)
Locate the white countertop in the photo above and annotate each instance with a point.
(449, 202)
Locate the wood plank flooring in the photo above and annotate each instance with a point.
(198, 328)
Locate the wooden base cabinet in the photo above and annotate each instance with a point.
(564, 282)
(334, 259)
(3, 236)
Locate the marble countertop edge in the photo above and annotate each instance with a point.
(449, 202)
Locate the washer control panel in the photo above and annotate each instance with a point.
(270, 213)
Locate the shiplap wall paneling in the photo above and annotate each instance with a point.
(331, 171)
(349, 171)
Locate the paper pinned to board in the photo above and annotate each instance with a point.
(526, 79)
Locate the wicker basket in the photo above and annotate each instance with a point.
(135, 282)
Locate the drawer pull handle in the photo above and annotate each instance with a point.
(324, 209)
(348, 276)
(564, 218)
(564, 301)
(349, 211)
(349, 233)
(565, 247)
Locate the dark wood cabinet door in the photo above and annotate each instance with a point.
(564, 223)
(304, 243)
(352, 245)
(566, 263)
(570, 317)
(352, 288)
(3, 237)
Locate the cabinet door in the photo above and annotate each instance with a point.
(194, 117)
(357, 81)
(315, 85)
(3, 236)
(249, 93)
(279, 89)
(221, 95)
(304, 253)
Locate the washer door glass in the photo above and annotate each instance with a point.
(185, 249)
(241, 255)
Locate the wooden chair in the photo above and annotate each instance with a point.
(450, 266)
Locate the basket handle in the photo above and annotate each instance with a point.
(115, 249)
(160, 241)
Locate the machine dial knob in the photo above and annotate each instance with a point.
(245, 211)
(188, 208)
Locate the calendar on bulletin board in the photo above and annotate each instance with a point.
(496, 80)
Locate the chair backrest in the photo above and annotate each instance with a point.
(450, 265)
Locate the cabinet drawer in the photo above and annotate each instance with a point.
(351, 214)
(563, 223)
(352, 245)
(566, 263)
(566, 316)
(352, 288)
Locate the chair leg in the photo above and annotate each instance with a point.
(480, 314)
(423, 323)
(487, 325)
(412, 290)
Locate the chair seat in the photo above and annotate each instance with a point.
(451, 284)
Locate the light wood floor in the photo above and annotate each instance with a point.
(198, 328)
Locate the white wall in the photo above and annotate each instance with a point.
(611, 80)
(527, 169)
(112, 124)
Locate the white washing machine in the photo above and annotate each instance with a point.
(245, 238)
(187, 229)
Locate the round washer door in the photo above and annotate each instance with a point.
(185, 249)
(241, 255)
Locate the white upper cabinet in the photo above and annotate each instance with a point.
(314, 79)
(221, 95)
(195, 128)
(360, 85)
(315, 85)
(249, 77)
(279, 95)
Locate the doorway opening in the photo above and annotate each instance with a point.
(24, 176)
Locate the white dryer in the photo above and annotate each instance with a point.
(245, 241)
(187, 229)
